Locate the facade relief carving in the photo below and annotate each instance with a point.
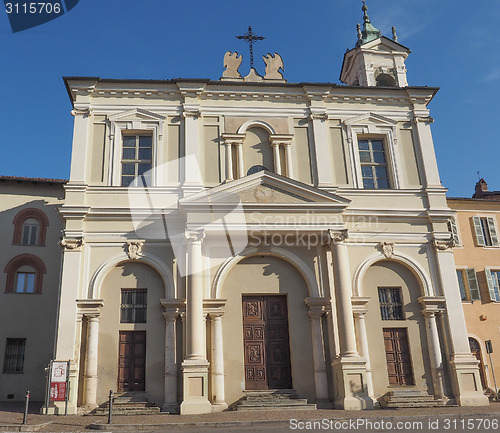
(387, 249)
(69, 244)
(133, 249)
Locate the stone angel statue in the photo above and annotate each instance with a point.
(273, 66)
(232, 62)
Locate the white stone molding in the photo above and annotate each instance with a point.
(134, 249)
(194, 114)
(98, 277)
(424, 119)
(375, 126)
(69, 244)
(415, 268)
(319, 116)
(443, 244)
(256, 123)
(304, 270)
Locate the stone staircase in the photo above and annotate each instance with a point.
(400, 398)
(128, 403)
(272, 399)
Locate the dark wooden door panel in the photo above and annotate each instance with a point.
(132, 361)
(398, 358)
(266, 342)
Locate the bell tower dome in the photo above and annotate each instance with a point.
(375, 60)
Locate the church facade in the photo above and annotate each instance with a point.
(250, 234)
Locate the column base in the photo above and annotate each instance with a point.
(219, 407)
(468, 389)
(58, 408)
(172, 408)
(195, 388)
(350, 388)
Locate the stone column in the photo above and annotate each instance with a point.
(240, 159)
(229, 161)
(317, 307)
(288, 154)
(359, 310)
(170, 403)
(349, 369)
(195, 365)
(429, 312)
(219, 400)
(276, 158)
(91, 359)
(466, 380)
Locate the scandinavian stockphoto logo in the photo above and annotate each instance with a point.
(25, 14)
(161, 214)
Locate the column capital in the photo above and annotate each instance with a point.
(81, 112)
(93, 316)
(423, 119)
(195, 236)
(337, 236)
(280, 139)
(90, 308)
(170, 316)
(71, 244)
(192, 114)
(432, 304)
(359, 305)
(443, 244)
(230, 139)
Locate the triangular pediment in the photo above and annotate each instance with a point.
(136, 114)
(265, 189)
(370, 118)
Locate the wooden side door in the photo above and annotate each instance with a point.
(397, 351)
(475, 349)
(266, 343)
(132, 361)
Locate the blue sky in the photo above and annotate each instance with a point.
(453, 47)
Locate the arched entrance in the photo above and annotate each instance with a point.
(266, 327)
(475, 349)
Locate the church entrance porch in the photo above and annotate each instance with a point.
(132, 361)
(266, 342)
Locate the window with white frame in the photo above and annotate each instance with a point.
(374, 170)
(485, 231)
(493, 280)
(467, 283)
(137, 154)
(453, 229)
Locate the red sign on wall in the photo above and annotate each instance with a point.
(57, 391)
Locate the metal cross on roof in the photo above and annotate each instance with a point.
(251, 38)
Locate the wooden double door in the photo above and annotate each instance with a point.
(132, 361)
(397, 351)
(266, 342)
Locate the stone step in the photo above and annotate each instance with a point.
(415, 399)
(273, 399)
(295, 402)
(408, 404)
(127, 411)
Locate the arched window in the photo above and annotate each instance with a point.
(30, 227)
(24, 274)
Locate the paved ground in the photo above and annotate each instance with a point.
(11, 415)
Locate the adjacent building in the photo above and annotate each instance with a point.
(477, 257)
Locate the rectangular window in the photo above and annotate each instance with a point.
(25, 282)
(391, 303)
(137, 157)
(373, 164)
(493, 279)
(134, 306)
(467, 283)
(453, 229)
(485, 230)
(29, 234)
(14, 355)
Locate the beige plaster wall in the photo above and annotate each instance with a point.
(257, 150)
(390, 274)
(25, 315)
(481, 316)
(266, 275)
(131, 275)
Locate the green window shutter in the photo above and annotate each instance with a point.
(493, 231)
(479, 231)
(461, 284)
(452, 226)
(491, 287)
(473, 287)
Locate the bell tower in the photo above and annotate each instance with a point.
(375, 60)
